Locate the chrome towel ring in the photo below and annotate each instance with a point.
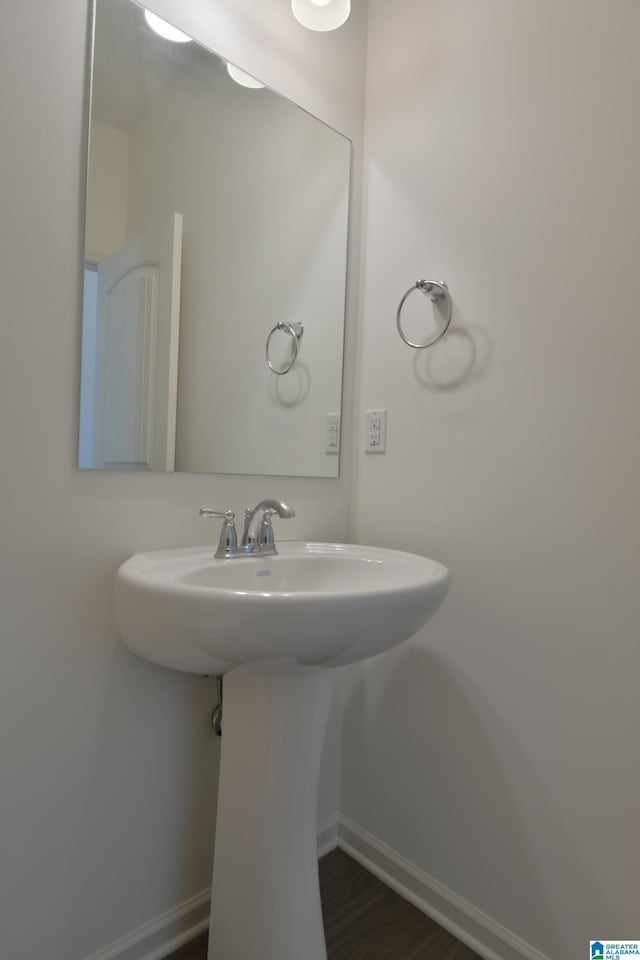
(293, 330)
(436, 291)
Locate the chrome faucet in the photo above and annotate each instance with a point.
(257, 538)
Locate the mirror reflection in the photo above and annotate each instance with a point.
(215, 265)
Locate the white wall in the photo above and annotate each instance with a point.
(108, 198)
(108, 765)
(498, 751)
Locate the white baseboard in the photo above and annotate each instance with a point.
(328, 835)
(160, 937)
(481, 933)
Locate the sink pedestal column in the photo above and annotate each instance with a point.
(266, 895)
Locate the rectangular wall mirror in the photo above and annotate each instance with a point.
(215, 265)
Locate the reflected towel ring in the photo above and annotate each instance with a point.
(436, 291)
(293, 330)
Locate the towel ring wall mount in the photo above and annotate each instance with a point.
(438, 292)
(293, 330)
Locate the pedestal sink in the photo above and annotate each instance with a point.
(274, 626)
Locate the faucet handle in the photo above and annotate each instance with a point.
(228, 542)
(208, 513)
(265, 537)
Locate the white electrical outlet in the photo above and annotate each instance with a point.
(376, 438)
(332, 433)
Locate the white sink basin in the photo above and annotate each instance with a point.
(272, 624)
(314, 603)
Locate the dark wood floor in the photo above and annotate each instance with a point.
(365, 920)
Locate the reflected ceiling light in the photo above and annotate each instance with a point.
(164, 29)
(244, 79)
(321, 14)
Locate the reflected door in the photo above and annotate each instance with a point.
(136, 370)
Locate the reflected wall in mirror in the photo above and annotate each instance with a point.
(216, 214)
